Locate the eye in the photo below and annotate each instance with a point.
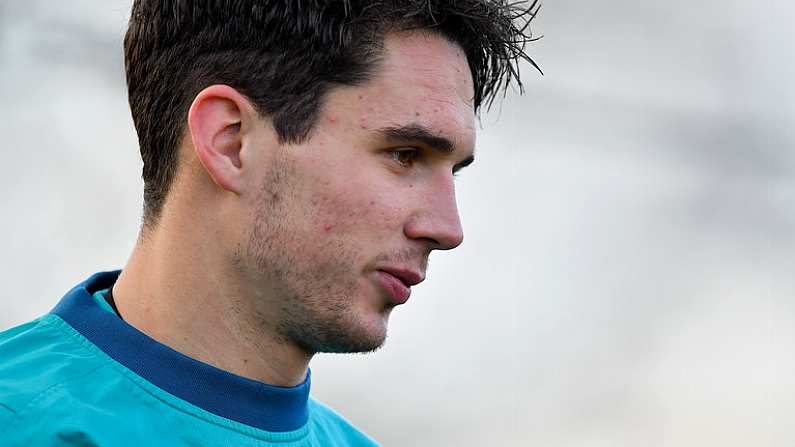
(405, 157)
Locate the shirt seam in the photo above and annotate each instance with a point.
(35, 400)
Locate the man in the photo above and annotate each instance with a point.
(298, 170)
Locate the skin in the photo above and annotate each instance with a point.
(267, 253)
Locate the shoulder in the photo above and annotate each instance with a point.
(43, 364)
(39, 355)
(331, 428)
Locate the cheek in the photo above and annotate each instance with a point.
(355, 210)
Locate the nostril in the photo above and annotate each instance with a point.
(431, 241)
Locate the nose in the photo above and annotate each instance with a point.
(436, 219)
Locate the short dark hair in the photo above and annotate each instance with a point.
(285, 56)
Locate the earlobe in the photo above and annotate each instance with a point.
(214, 123)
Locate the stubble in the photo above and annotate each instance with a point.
(313, 282)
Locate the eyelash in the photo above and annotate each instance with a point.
(412, 153)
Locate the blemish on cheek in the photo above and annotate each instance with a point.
(332, 119)
(327, 227)
(416, 113)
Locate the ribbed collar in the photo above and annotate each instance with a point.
(267, 407)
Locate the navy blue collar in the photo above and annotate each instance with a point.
(253, 403)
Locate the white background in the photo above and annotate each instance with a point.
(627, 275)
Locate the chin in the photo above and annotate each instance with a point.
(360, 334)
(339, 323)
(368, 335)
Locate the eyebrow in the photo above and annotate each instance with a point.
(422, 134)
(417, 132)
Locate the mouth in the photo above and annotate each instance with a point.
(397, 282)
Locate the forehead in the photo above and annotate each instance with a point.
(423, 79)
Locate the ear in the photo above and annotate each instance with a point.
(215, 121)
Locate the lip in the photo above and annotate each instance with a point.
(397, 282)
(406, 276)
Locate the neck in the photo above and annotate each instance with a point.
(181, 290)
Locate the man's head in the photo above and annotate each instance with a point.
(329, 132)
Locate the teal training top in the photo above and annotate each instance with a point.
(81, 376)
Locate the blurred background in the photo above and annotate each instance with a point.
(627, 276)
